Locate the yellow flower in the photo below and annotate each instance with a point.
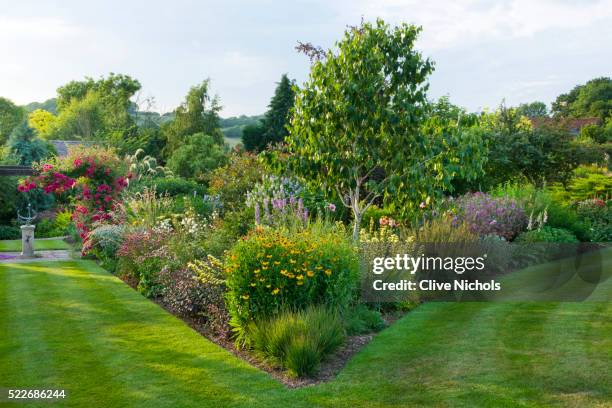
(283, 272)
(245, 297)
(257, 270)
(300, 283)
(275, 291)
(291, 275)
(268, 286)
(265, 268)
(328, 272)
(310, 274)
(268, 256)
(253, 284)
(300, 277)
(276, 263)
(319, 267)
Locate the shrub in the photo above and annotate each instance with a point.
(54, 227)
(270, 270)
(361, 319)
(446, 230)
(599, 215)
(104, 242)
(197, 290)
(141, 257)
(9, 232)
(298, 341)
(231, 182)
(89, 178)
(547, 234)
(488, 215)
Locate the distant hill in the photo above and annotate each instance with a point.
(48, 105)
(232, 126)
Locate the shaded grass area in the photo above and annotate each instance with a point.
(72, 325)
(14, 245)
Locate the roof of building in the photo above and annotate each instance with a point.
(61, 146)
(571, 124)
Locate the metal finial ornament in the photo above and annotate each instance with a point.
(26, 220)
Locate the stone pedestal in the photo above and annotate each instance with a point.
(27, 241)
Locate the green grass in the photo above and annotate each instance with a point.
(14, 245)
(72, 325)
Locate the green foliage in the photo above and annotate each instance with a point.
(273, 127)
(198, 114)
(599, 215)
(9, 232)
(25, 147)
(533, 109)
(298, 340)
(357, 112)
(361, 319)
(197, 157)
(547, 234)
(516, 152)
(54, 227)
(96, 110)
(104, 242)
(595, 133)
(10, 116)
(270, 270)
(42, 122)
(445, 230)
(252, 136)
(591, 99)
(232, 181)
(588, 182)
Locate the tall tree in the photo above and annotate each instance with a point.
(25, 147)
(535, 109)
(361, 114)
(96, 109)
(273, 127)
(10, 116)
(591, 99)
(198, 114)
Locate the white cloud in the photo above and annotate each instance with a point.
(449, 23)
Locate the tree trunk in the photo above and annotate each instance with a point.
(357, 223)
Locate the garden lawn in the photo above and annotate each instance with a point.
(71, 325)
(14, 245)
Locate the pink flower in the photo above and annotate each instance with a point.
(78, 162)
(47, 167)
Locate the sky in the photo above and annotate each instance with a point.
(484, 51)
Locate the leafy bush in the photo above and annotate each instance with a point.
(9, 232)
(446, 230)
(298, 341)
(103, 242)
(231, 182)
(588, 182)
(599, 215)
(485, 215)
(270, 270)
(196, 157)
(547, 234)
(361, 320)
(141, 257)
(197, 290)
(55, 227)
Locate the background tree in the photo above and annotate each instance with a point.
(10, 116)
(273, 127)
(42, 122)
(198, 114)
(593, 99)
(96, 110)
(533, 109)
(252, 137)
(25, 147)
(361, 111)
(199, 154)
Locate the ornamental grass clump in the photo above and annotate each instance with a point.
(272, 270)
(486, 215)
(298, 340)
